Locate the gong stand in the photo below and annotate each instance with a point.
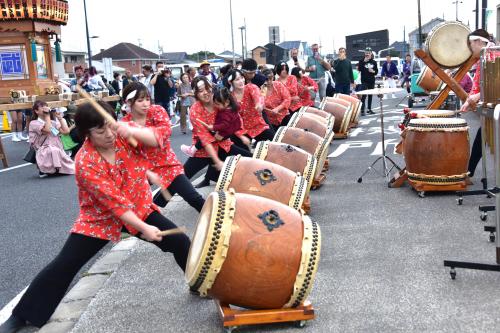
(451, 84)
(475, 265)
(234, 317)
(3, 157)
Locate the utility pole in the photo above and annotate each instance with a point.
(89, 51)
(483, 14)
(419, 26)
(242, 42)
(456, 8)
(232, 31)
(246, 45)
(404, 41)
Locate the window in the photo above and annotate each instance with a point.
(263, 54)
(13, 65)
(41, 64)
(133, 62)
(74, 59)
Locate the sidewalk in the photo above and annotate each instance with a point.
(381, 267)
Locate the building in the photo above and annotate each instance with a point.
(399, 49)
(426, 28)
(175, 57)
(356, 44)
(259, 55)
(72, 59)
(275, 54)
(299, 45)
(129, 56)
(228, 56)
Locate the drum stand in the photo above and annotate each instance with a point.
(232, 318)
(3, 157)
(385, 159)
(481, 266)
(451, 84)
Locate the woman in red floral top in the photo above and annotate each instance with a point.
(306, 87)
(290, 83)
(277, 101)
(113, 191)
(251, 105)
(162, 158)
(214, 152)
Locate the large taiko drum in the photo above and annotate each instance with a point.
(309, 109)
(356, 105)
(263, 178)
(436, 150)
(311, 123)
(429, 81)
(310, 142)
(447, 44)
(341, 113)
(253, 252)
(291, 157)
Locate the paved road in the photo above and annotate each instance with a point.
(36, 215)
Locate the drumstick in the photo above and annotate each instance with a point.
(102, 112)
(174, 231)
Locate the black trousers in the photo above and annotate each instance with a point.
(363, 97)
(182, 186)
(266, 135)
(237, 141)
(475, 154)
(195, 164)
(49, 286)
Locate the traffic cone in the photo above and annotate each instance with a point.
(5, 122)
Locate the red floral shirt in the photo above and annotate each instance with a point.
(304, 94)
(293, 88)
(162, 158)
(253, 123)
(490, 55)
(279, 97)
(202, 134)
(106, 191)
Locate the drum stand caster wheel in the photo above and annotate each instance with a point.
(300, 323)
(421, 194)
(360, 180)
(453, 273)
(460, 201)
(492, 237)
(483, 216)
(229, 329)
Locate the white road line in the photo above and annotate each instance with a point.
(7, 310)
(5, 135)
(15, 167)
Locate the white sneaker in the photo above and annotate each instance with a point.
(15, 138)
(21, 136)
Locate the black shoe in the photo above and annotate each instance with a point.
(13, 324)
(371, 112)
(159, 199)
(363, 113)
(204, 183)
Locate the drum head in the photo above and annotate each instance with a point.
(435, 113)
(199, 238)
(447, 44)
(438, 124)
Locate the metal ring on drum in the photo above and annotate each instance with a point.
(289, 156)
(253, 252)
(447, 44)
(263, 178)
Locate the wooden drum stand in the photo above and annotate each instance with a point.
(451, 84)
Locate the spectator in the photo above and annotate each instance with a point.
(407, 73)
(185, 93)
(147, 71)
(163, 83)
(16, 126)
(95, 81)
(128, 78)
(344, 78)
(206, 71)
(79, 79)
(44, 137)
(249, 70)
(295, 61)
(389, 73)
(368, 70)
(191, 73)
(117, 83)
(316, 66)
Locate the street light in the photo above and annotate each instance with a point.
(232, 33)
(456, 8)
(379, 52)
(89, 51)
(242, 41)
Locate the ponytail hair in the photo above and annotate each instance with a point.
(223, 95)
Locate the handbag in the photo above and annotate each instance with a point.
(30, 156)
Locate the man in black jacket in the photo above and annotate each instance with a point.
(344, 78)
(368, 69)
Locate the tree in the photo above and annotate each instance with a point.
(201, 55)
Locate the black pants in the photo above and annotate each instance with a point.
(49, 286)
(475, 154)
(195, 164)
(182, 186)
(363, 97)
(266, 135)
(237, 141)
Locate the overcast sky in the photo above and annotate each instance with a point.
(193, 25)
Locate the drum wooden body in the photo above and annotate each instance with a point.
(253, 252)
(311, 123)
(318, 112)
(341, 113)
(436, 150)
(310, 142)
(447, 44)
(356, 105)
(429, 81)
(289, 156)
(263, 178)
